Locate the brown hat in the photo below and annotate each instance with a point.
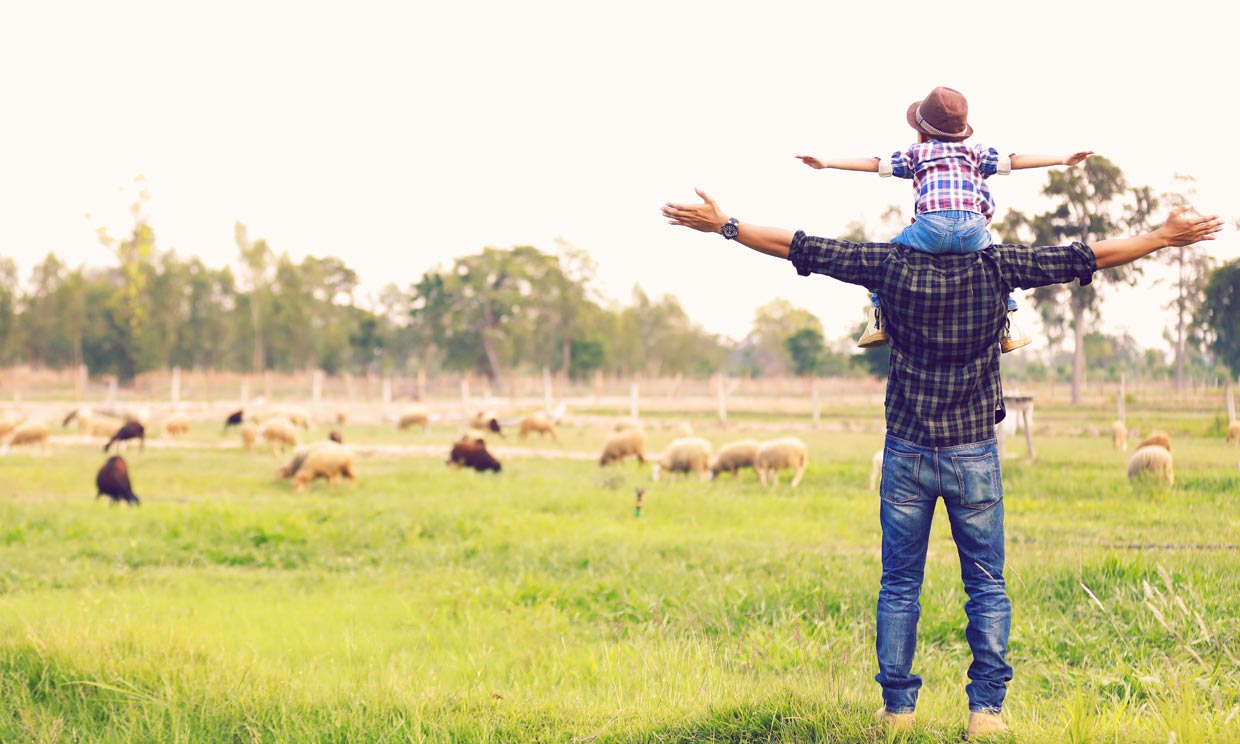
(943, 115)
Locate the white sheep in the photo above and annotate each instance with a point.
(684, 455)
(28, 432)
(1233, 433)
(539, 423)
(629, 442)
(876, 469)
(1152, 463)
(413, 416)
(328, 460)
(733, 456)
(779, 454)
(626, 423)
(1119, 436)
(683, 430)
(1158, 438)
(278, 433)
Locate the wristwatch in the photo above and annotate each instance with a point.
(729, 228)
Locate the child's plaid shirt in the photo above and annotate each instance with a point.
(949, 175)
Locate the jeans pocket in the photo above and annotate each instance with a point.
(980, 483)
(900, 470)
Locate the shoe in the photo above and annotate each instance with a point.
(873, 334)
(894, 721)
(984, 724)
(1012, 337)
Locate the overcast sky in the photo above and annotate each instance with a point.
(400, 135)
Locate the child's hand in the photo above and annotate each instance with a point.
(812, 161)
(1077, 157)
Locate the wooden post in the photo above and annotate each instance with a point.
(176, 385)
(387, 391)
(316, 386)
(82, 383)
(1026, 414)
(598, 385)
(633, 399)
(546, 390)
(721, 398)
(112, 390)
(465, 395)
(245, 391)
(1121, 398)
(348, 386)
(817, 403)
(1231, 404)
(421, 384)
(267, 384)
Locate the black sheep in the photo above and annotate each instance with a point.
(128, 430)
(234, 419)
(472, 453)
(113, 481)
(336, 437)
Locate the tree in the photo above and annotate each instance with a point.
(1192, 265)
(1220, 314)
(256, 259)
(773, 325)
(807, 351)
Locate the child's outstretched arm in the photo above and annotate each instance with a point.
(868, 165)
(1020, 162)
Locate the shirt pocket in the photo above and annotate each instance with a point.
(900, 471)
(980, 484)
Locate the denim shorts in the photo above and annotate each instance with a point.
(949, 231)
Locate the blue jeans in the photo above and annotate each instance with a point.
(967, 478)
(948, 231)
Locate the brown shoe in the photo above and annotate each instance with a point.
(984, 724)
(873, 335)
(894, 721)
(1012, 337)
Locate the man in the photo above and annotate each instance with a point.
(943, 316)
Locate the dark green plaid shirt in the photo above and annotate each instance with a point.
(942, 315)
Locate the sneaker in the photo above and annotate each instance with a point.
(1012, 337)
(894, 721)
(984, 724)
(873, 335)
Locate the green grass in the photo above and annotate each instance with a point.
(424, 604)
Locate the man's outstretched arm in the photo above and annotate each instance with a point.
(1178, 230)
(707, 217)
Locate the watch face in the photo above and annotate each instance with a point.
(729, 229)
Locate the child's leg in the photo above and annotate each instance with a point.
(873, 335)
(1012, 337)
(874, 299)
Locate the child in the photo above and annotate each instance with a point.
(953, 204)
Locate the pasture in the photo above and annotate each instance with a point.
(425, 604)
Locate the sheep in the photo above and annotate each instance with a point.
(876, 469)
(336, 437)
(628, 442)
(539, 423)
(684, 455)
(328, 460)
(176, 425)
(293, 415)
(779, 454)
(472, 453)
(342, 417)
(278, 433)
(136, 415)
(1158, 438)
(7, 424)
(234, 419)
(28, 432)
(1151, 463)
(683, 430)
(1119, 436)
(733, 456)
(413, 416)
(486, 420)
(129, 430)
(1233, 433)
(91, 425)
(112, 481)
(249, 435)
(626, 423)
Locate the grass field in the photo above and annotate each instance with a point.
(424, 604)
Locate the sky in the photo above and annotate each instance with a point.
(400, 135)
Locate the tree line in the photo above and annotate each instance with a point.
(526, 309)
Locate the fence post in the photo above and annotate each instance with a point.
(547, 397)
(316, 386)
(421, 384)
(817, 404)
(387, 391)
(267, 385)
(633, 399)
(465, 395)
(1231, 404)
(721, 398)
(176, 385)
(82, 383)
(1122, 381)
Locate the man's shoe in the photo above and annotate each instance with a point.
(894, 721)
(1012, 337)
(984, 724)
(873, 334)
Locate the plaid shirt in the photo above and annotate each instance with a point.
(942, 315)
(949, 175)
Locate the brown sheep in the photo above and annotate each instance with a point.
(486, 420)
(1119, 436)
(278, 434)
(129, 430)
(249, 435)
(112, 481)
(472, 453)
(1233, 433)
(413, 416)
(538, 423)
(29, 432)
(1156, 438)
(176, 426)
(734, 456)
(624, 443)
(327, 460)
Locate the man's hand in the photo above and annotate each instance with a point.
(812, 161)
(1181, 229)
(704, 217)
(1077, 157)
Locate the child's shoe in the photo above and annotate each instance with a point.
(873, 335)
(894, 721)
(1012, 337)
(982, 725)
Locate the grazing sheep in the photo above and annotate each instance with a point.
(91, 425)
(780, 454)
(733, 456)
(278, 433)
(876, 469)
(7, 424)
(1119, 436)
(684, 455)
(486, 420)
(627, 423)
(328, 460)
(539, 423)
(628, 442)
(234, 419)
(112, 481)
(1156, 438)
(249, 435)
(136, 415)
(472, 453)
(28, 432)
(176, 426)
(129, 430)
(1151, 463)
(1233, 433)
(413, 416)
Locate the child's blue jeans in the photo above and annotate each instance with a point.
(948, 231)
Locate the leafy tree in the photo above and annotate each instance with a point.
(1220, 314)
(808, 352)
(1192, 265)
(256, 258)
(774, 324)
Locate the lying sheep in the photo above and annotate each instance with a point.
(1233, 433)
(629, 442)
(733, 456)
(1119, 436)
(328, 460)
(539, 423)
(876, 469)
(780, 454)
(249, 435)
(1156, 438)
(472, 453)
(278, 433)
(1151, 463)
(28, 432)
(684, 455)
(413, 416)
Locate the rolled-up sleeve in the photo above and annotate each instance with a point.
(855, 263)
(1029, 268)
(901, 165)
(990, 162)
